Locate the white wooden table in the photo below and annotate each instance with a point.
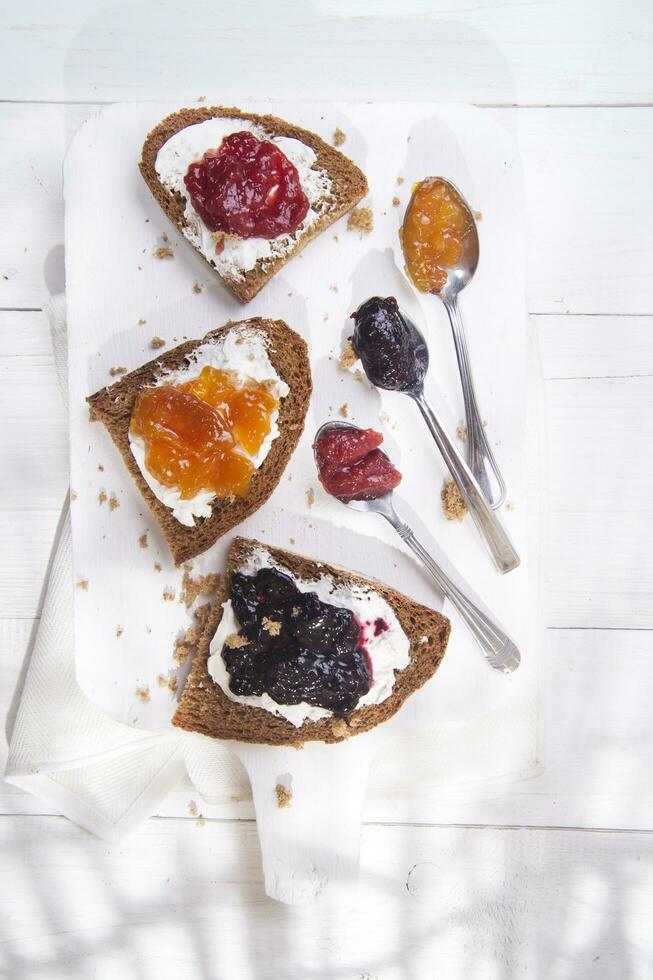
(548, 877)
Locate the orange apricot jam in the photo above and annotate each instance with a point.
(434, 233)
(201, 435)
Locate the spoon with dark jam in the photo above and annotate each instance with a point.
(353, 469)
(395, 357)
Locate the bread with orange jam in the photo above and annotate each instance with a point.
(330, 183)
(254, 435)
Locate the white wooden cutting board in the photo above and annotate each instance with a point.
(124, 628)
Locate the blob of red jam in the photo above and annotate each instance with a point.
(248, 188)
(350, 464)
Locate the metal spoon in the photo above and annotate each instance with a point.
(496, 646)
(488, 523)
(479, 454)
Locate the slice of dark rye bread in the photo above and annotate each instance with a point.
(114, 405)
(348, 184)
(206, 709)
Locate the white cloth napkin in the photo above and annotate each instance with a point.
(103, 775)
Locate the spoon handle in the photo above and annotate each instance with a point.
(479, 455)
(497, 647)
(490, 527)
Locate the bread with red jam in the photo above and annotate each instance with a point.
(304, 185)
(206, 708)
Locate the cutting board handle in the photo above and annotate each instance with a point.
(308, 811)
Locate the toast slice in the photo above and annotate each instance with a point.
(348, 186)
(206, 709)
(113, 406)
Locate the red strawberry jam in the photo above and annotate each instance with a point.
(248, 188)
(350, 464)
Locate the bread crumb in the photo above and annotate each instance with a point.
(201, 614)
(114, 503)
(400, 181)
(284, 796)
(200, 822)
(272, 627)
(396, 201)
(143, 694)
(478, 215)
(384, 418)
(170, 682)
(100, 468)
(191, 587)
(157, 567)
(339, 728)
(157, 342)
(358, 375)
(192, 808)
(361, 219)
(310, 497)
(291, 540)
(197, 288)
(338, 136)
(510, 505)
(102, 498)
(141, 322)
(325, 317)
(235, 641)
(83, 584)
(143, 542)
(453, 505)
(181, 652)
(334, 287)
(344, 410)
(73, 495)
(335, 238)
(461, 432)
(168, 595)
(163, 252)
(119, 631)
(201, 98)
(117, 370)
(348, 355)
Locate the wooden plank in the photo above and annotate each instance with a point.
(33, 141)
(494, 52)
(595, 346)
(588, 220)
(600, 559)
(181, 900)
(595, 748)
(588, 212)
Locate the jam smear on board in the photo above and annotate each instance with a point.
(247, 188)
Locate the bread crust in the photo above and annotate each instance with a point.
(206, 709)
(348, 184)
(114, 405)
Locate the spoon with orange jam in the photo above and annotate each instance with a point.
(439, 239)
